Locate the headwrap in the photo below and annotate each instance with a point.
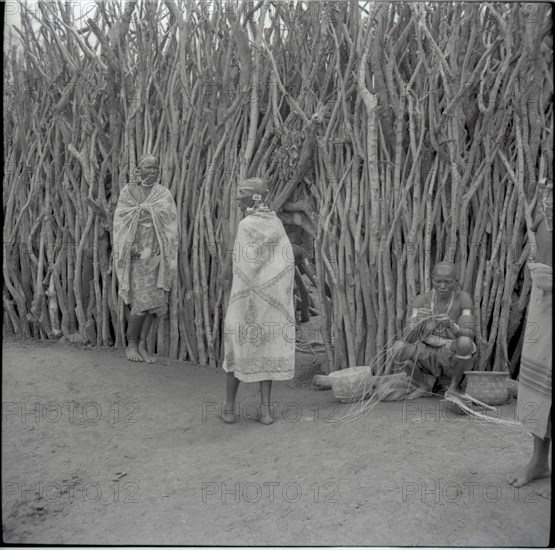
(258, 185)
(146, 156)
(450, 265)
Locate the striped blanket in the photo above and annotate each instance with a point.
(534, 392)
(260, 323)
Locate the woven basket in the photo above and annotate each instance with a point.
(487, 386)
(352, 384)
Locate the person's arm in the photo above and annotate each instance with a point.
(308, 268)
(225, 274)
(416, 313)
(465, 324)
(226, 271)
(303, 263)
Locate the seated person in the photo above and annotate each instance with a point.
(438, 339)
(304, 265)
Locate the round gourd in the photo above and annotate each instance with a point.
(465, 346)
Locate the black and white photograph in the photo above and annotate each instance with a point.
(277, 273)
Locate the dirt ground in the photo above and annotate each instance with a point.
(98, 450)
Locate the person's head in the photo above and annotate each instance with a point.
(148, 169)
(250, 192)
(444, 277)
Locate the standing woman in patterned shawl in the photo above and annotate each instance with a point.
(260, 322)
(145, 253)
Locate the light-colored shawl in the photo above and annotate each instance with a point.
(260, 320)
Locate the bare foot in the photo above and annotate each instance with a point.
(454, 390)
(145, 355)
(132, 353)
(265, 417)
(229, 416)
(527, 474)
(416, 394)
(544, 490)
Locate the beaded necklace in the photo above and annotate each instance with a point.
(259, 208)
(140, 188)
(434, 302)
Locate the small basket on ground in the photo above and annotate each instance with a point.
(352, 384)
(487, 386)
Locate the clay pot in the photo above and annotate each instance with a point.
(488, 387)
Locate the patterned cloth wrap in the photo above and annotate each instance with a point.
(535, 379)
(145, 249)
(437, 360)
(260, 319)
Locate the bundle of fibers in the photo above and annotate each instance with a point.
(464, 401)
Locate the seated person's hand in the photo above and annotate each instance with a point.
(443, 321)
(436, 341)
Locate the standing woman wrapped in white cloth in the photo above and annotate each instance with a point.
(260, 320)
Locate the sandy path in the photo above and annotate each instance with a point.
(97, 450)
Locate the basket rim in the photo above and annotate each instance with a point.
(350, 371)
(486, 373)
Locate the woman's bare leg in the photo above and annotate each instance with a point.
(134, 328)
(460, 362)
(142, 341)
(537, 468)
(232, 384)
(265, 414)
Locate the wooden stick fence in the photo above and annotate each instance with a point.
(395, 135)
